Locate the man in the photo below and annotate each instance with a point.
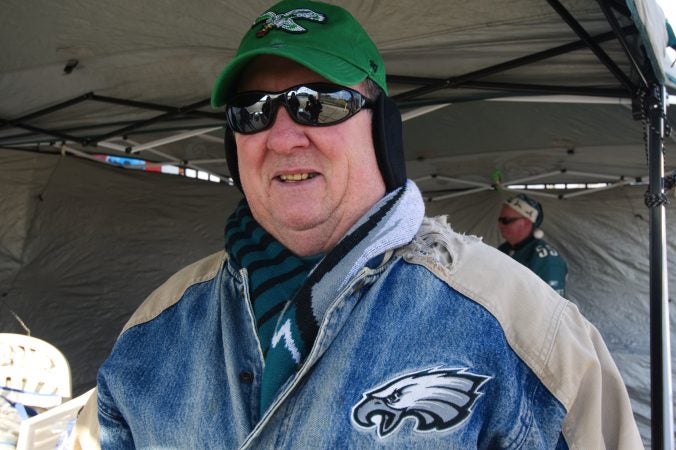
(519, 222)
(340, 317)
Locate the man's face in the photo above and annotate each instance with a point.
(516, 230)
(306, 185)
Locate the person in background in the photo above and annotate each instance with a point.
(519, 222)
(339, 316)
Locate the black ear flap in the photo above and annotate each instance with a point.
(388, 142)
(231, 156)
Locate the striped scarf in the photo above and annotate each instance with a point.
(296, 296)
(275, 274)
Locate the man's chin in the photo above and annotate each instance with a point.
(299, 211)
(304, 238)
(298, 222)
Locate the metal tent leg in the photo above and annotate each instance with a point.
(662, 427)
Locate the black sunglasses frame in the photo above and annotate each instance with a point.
(509, 220)
(356, 103)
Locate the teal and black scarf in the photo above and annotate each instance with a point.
(291, 294)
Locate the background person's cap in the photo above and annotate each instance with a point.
(527, 207)
(324, 38)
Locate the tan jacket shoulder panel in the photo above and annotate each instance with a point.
(173, 289)
(548, 333)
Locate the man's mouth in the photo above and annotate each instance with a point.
(295, 177)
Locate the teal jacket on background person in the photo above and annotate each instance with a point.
(542, 258)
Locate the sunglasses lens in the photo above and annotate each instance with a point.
(317, 106)
(249, 112)
(314, 104)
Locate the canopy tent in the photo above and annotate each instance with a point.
(88, 74)
(83, 244)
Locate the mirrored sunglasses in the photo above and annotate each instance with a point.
(509, 220)
(313, 104)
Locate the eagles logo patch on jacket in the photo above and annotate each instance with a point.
(436, 399)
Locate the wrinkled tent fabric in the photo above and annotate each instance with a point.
(170, 53)
(524, 139)
(82, 244)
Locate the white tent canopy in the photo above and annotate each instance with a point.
(492, 93)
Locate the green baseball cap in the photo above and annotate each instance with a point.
(324, 38)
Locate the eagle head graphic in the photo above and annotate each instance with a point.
(438, 399)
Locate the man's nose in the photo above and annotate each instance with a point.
(285, 135)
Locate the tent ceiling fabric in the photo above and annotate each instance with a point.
(169, 53)
(473, 140)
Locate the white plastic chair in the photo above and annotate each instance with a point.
(52, 428)
(33, 372)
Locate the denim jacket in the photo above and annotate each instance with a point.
(448, 344)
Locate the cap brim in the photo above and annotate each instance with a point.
(331, 67)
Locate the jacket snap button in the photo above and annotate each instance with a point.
(246, 377)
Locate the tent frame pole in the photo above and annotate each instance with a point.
(593, 46)
(662, 428)
(617, 29)
(432, 85)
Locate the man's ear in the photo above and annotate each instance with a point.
(388, 142)
(231, 156)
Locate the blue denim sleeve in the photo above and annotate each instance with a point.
(114, 432)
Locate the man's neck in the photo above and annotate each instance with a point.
(521, 244)
(311, 242)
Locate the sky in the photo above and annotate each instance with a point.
(669, 8)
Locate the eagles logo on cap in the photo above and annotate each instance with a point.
(285, 21)
(527, 207)
(323, 37)
(524, 209)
